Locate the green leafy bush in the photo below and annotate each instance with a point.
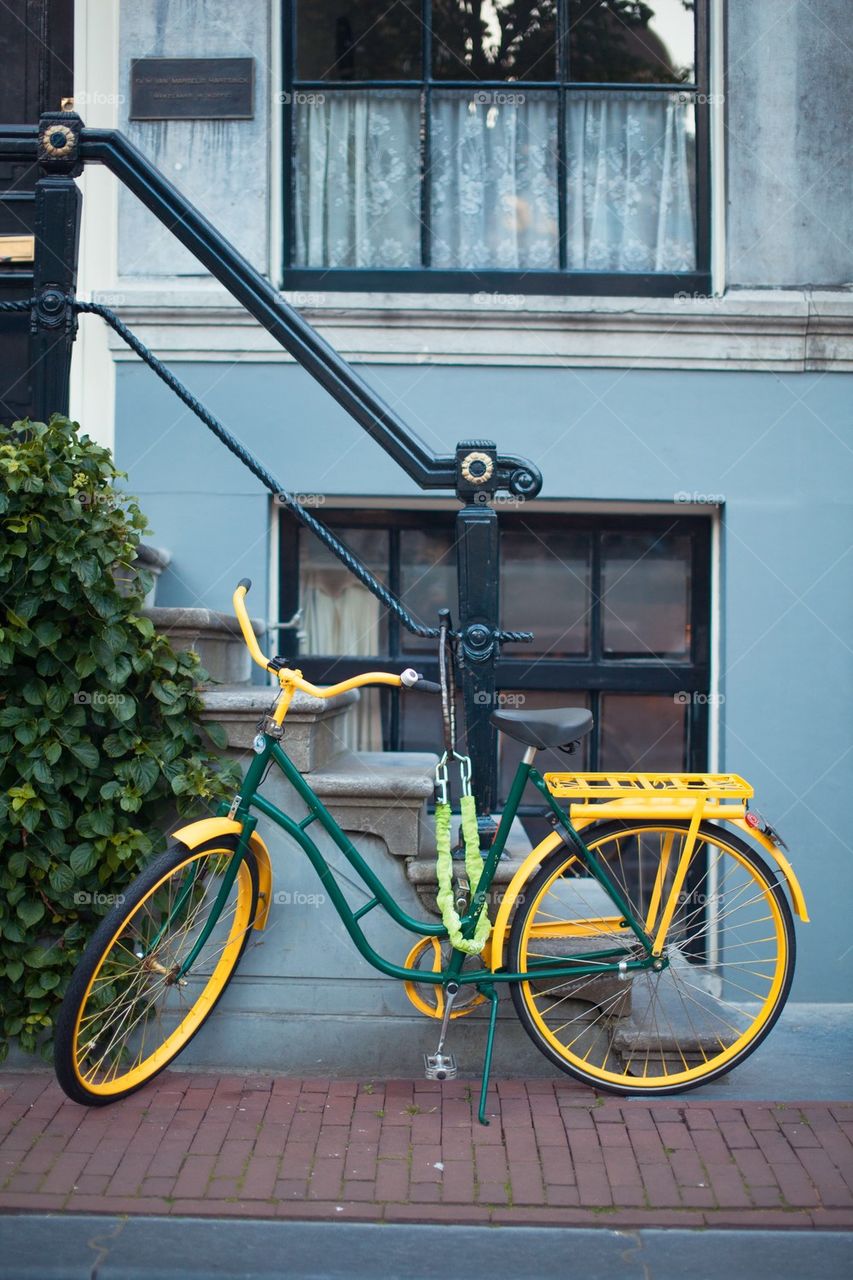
(98, 715)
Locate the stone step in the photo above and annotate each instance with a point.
(381, 793)
(215, 637)
(313, 729)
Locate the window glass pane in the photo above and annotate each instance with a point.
(357, 179)
(359, 40)
(646, 732)
(494, 40)
(494, 180)
(645, 593)
(641, 41)
(339, 615)
(630, 181)
(427, 580)
(545, 589)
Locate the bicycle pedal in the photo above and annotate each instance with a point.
(440, 1066)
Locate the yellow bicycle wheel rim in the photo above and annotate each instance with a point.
(689, 1074)
(160, 1056)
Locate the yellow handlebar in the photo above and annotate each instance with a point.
(239, 602)
(294, 679)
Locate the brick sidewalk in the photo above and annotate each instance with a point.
(408, 1151)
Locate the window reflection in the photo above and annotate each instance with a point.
(646, 595)
(494, 40)
(633, 41)
(359, 40)
(545, 584)
(427, 580)
(641, 731)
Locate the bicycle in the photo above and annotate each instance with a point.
(651, 953)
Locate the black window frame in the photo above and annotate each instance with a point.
(425, 279)
(594, 675)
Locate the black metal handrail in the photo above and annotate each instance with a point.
(226, 264)
(62, 145)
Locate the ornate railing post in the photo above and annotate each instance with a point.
(478, 568)
(53, 322)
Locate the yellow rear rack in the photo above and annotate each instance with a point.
(637, 795)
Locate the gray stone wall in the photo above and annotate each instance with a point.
(789, 104)
(223, 166)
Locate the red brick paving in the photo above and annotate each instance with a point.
(412, 1151)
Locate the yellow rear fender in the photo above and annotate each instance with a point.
(207, 829)
(776, 855)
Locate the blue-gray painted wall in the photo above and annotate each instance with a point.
(777, 448)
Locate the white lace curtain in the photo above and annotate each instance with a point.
(493, 181)
(358, 181)
(630, 180)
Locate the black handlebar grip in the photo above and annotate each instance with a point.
(426, 686)
(245, 582)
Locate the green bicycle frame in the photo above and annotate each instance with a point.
(249, 799)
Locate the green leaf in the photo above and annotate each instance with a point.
(125, 710)
(86, 754)
(14, 969)
(26, 733)
(217, 734)
(46, 632)
(30, 910)
(62, 878)
(144, 772)
(83, 859)
(43, 773)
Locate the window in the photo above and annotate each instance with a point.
(619, 608)
(554, 146)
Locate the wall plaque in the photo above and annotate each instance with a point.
(192, 88)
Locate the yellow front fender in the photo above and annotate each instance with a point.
(198, 833)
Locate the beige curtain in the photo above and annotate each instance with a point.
(340, 616)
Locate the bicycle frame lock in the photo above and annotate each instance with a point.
(59, 148)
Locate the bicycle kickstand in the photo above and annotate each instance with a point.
(441, 1065)
(487, 989)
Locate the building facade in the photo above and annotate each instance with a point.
(613, 237)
